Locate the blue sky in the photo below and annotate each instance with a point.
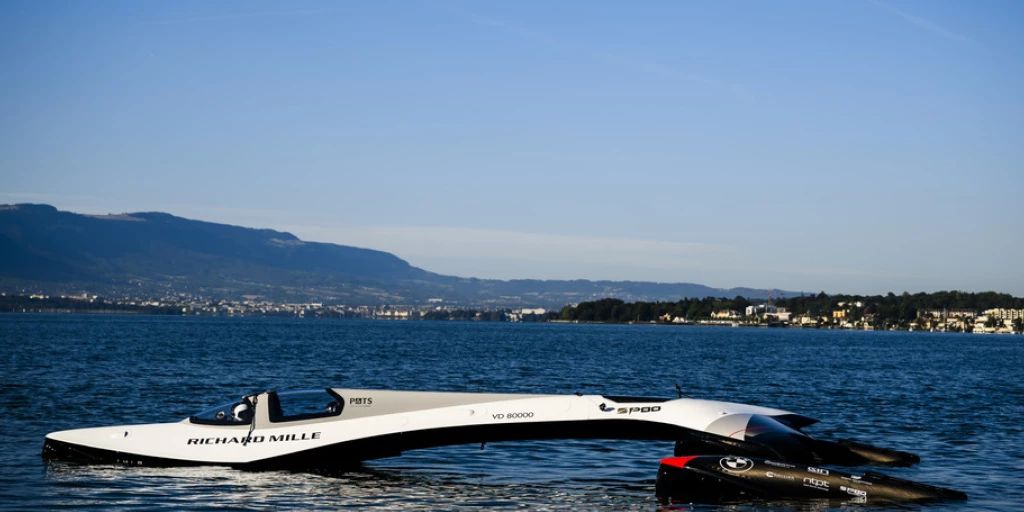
(855, 146)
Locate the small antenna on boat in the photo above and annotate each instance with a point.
(679, 391)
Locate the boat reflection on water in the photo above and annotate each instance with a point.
(542, 474)
(369, 487)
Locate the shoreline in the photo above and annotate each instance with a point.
(115, 312)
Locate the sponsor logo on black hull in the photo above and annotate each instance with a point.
(736, 464)
(816, 483)
(853, 492)
(781, 476)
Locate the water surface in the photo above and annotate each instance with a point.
(956, 400)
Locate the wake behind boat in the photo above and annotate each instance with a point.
(337, 427)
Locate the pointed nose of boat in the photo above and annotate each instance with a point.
(81, 444)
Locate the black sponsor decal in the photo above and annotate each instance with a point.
(815, 483)
(305, 436)
(853, 492)
(857, 480)
(363, 401)
(631, 410)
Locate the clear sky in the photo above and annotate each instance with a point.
(850, 146)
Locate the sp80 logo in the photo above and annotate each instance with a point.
(631, 410)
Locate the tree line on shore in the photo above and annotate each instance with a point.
(888, 310)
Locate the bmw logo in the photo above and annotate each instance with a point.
(736, 464)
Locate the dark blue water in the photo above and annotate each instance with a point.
(957, 400)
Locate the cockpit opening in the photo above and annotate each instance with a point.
(304, 404)
(238, 412)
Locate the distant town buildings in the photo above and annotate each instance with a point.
(852, 315)
(837, 315)
(999, 320)
(768, 313)
(519, 315)
(669, 319)
(1004, 314)
(726, 314)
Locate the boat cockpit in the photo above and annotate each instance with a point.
(282, 406)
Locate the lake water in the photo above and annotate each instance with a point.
(956, 400)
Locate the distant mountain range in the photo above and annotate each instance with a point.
(43, 249)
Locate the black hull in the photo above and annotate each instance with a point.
(720, 478)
